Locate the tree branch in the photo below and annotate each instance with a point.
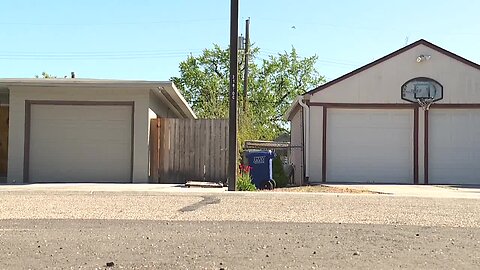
(215, 69)
(283, 98)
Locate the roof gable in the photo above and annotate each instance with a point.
(391, 55)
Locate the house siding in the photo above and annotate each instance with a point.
(381, 83)
(296, 153)
(19, 94)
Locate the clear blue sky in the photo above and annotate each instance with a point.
(146, 40)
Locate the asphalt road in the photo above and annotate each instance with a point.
(90, 244)
(63, 230)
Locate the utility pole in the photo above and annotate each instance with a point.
(233, 113)
(245, 77)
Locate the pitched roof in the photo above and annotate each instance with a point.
(391, 55)
(292, 110)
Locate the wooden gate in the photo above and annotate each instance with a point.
(184, 150)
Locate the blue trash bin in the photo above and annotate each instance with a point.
(262, 170)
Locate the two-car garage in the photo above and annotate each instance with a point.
(381, 145)
(375, 124)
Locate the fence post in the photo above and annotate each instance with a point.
(154, 149)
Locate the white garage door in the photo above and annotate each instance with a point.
(454, 146)
(370, 145)
(80, 143)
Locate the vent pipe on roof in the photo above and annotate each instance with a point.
(73, 75)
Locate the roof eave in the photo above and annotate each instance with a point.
(169, 89)
(40, 82)
(177, 100)
(290, 111)
(391, 55)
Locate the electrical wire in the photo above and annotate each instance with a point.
(264, 54)
(114, 23)
(96, 55)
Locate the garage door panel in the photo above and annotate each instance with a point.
(80, 143)
(454, 146)
(369, 145)
(363, 137)
(69, 130)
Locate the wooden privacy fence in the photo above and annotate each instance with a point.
(188, 150)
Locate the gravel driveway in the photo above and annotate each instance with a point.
(258, 206)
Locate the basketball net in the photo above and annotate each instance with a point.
(425, 103)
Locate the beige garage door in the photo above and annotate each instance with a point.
(454, 146)
(370, 145)
(80, 143)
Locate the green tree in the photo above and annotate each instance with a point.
(45, 75)
(273, 83)
(204, 82)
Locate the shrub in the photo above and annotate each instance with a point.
(278, 172)
(244, 180)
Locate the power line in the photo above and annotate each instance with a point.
(113, 23)
(96, 55)
(263, 54)
(102, 52)
(336, 62)
(339, 62)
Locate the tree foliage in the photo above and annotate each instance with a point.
(45, 75)
(273, 83)
(204, 82)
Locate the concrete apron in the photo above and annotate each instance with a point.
(429, 191)
(92, 187)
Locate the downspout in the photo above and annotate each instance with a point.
(306, 135)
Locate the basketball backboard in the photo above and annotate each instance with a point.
(423, 91)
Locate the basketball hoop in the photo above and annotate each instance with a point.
(425, 103)
(424, 91)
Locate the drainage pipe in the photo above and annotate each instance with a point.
(306, 136)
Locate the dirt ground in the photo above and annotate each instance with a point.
(326, 189)
(91, 244)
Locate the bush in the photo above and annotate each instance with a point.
(244, 180)
(278, 172)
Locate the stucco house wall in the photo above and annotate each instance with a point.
(381, 83)
(296, 142)
(146, 104)
(376, 87)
